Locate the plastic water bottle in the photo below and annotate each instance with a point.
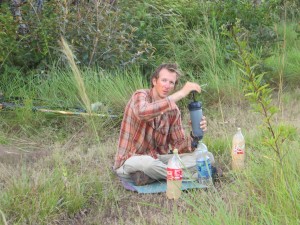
(238, 150)
(204, 159)
(174, 176)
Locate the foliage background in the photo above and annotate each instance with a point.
(132, 33)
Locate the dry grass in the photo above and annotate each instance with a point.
(83, 156)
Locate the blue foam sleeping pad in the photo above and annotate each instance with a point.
(158, 186)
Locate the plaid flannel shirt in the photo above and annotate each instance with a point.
(149, 127)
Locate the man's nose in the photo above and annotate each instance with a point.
(168, 85)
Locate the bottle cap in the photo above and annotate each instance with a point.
(194, 106)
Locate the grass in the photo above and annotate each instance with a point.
(71, 182)
(49, 188)
(75, 183)
(291, 63)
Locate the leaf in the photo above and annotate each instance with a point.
(249, 94)
(259, 77)
(239, 64)
(263, 87)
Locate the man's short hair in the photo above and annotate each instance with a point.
(172, 67)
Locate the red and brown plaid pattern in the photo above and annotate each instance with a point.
(149, 127)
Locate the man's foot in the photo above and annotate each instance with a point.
(140, 178)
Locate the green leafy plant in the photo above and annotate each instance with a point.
(259, 95)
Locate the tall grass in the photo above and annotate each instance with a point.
(75, 184)
(76, 181)
(290, 66)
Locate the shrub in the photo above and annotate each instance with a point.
(94, 29)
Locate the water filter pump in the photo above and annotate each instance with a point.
(195, 108)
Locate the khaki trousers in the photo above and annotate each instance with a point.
(156, 168)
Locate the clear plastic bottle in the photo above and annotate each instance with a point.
(204, 159)
(174, 176)
(238, 150)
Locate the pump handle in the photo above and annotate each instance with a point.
(193, 95)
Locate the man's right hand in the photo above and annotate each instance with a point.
(189, 87)
(185, 90)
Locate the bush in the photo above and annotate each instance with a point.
(94, 29)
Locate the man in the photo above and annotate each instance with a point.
(151, 125)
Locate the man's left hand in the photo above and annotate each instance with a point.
(203, 124)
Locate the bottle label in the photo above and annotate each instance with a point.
(239, 150)
(204, 168)
(174, 174)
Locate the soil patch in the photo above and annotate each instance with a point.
(14, 155)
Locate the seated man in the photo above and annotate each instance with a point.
(151, 124)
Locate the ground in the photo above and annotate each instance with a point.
(10, 154)
(126, 207)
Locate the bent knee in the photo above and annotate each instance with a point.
(138, 163)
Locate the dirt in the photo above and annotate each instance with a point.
(13, 155)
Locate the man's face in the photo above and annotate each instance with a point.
(164, 84)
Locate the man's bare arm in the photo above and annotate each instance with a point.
(184, 91)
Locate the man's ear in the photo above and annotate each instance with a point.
(154, 80)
